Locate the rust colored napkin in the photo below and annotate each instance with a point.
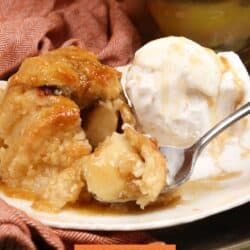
(19, 231)
(30, 27)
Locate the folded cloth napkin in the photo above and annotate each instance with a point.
(30, 27)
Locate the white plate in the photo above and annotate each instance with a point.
(203, 196)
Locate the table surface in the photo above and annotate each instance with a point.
(225, 231)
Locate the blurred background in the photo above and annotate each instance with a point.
(218, 24)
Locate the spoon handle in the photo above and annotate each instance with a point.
(232, 118)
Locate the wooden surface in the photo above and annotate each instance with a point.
(226, 231)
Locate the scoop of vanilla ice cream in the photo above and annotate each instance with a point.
(180, 89)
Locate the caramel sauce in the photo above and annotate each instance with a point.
(192, 189)
(246, 153)
(169, 200)
(225, 176)
(16, 192)
(246, 150)
(201, 187)
(217, 146)
(237, 81)
(210, 102)
(219, 143)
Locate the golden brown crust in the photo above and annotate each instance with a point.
(49, 105)
(43, 138)
(75, 71)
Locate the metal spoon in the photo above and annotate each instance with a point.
(181, 161)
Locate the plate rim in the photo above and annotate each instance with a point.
(158, 224)
(149, 225)
(154, 225)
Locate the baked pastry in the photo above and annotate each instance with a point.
(61, 122)
(125, 167)
(43, 140)
(72, 72)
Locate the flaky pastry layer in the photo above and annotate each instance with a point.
(61, 134)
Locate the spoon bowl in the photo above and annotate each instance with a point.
(181, 161)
